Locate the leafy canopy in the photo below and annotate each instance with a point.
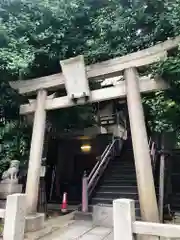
(35, 35)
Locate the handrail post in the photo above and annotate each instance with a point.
(161, 186)
(85, 193)
(161, 178)
(153, 155)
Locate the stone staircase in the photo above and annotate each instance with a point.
(118, 181)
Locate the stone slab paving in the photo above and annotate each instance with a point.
(81, 230)
(97, 233)
(64, 228)
(51, 225)
(110, 236)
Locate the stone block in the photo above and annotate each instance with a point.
(86, 216)
(124, 216)
(9, 188)
(103, 215)
(34, 222)
(3, 203)
(15, 217)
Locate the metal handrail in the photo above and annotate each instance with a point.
(98, 162)
(149, 142)
(104, 162)
(89, 183)
(152, 149)
(153, 154)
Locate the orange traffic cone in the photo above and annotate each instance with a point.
(64, 203)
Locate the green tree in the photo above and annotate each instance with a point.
(35, 35)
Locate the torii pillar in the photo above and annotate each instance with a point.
(37, 140)
(146, 189)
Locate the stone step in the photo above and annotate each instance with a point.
(103, 215)
(95, 201)
(122, 168)
(121, 171)
(119, 182)
(121, 177)
(122, 163)
(116, 195)
(118, 188)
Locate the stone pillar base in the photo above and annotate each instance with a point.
(103, 215)
(34, 222)
(9, 188)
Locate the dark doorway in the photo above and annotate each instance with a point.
(64, 173)
(82, 163)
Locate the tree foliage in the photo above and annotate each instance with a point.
(35, 35)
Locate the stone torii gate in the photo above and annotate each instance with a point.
(75, 76)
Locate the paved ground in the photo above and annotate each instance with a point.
(82, 230)
(52, 225)
(64, 228)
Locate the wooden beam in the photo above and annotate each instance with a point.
(106, 68)
(156, 229)
(118, 91)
